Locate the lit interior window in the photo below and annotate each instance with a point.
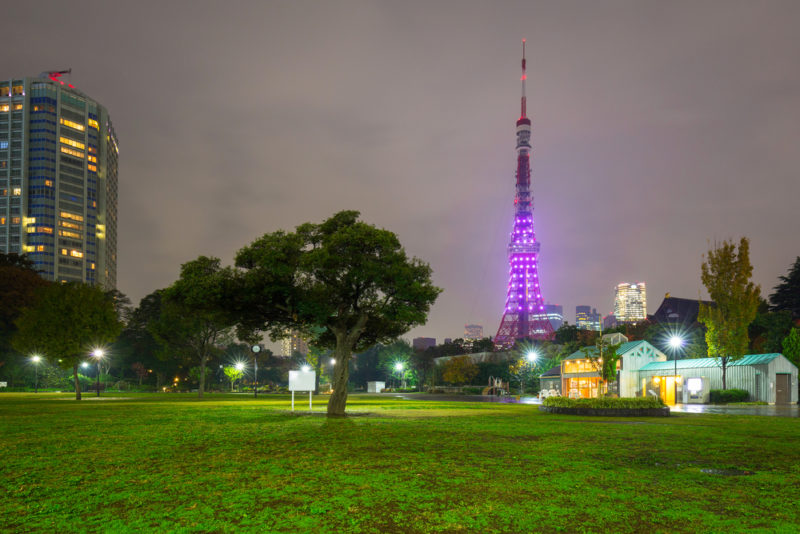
(17, 107)
(17, 191)
(3, 107)
(92, 168)
(48, 183)
(72, 124)
(73, 216)
(94, 124)
(40, 248)
(91, 158)
(72, 152)
(71, 142)
(15, 220)
(76, 253)
(67, 233)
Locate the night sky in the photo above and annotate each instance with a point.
(658, 127)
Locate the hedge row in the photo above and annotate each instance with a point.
(724, 396)
(604, 402)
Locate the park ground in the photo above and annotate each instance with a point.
(228, 463)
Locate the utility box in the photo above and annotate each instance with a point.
(696, 390)
(375, 387)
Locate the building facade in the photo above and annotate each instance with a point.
(587, 318)
(555, 314)
(58, 180)
(473, 331)
(294, 343)
(630, 302)
(423, 343)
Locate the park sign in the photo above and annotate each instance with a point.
(302, 381)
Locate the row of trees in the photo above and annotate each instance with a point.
(343, 284)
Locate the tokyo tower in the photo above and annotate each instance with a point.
(524, 315)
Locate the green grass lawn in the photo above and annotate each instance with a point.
(168, 462)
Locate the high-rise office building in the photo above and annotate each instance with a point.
(58, 180)
(630, 302)
(555, 314)
(294, 343)
(473, 331)
(587, 318)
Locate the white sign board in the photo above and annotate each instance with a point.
(302, 380)
(375, 387)
(3, 384)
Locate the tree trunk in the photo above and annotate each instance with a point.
(724, 369)
(341, 374)
(77, 382)
(201, 387)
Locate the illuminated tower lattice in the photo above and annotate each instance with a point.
(524, 315)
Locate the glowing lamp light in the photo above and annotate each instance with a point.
(656, 380)
(398, 366)
(36, 358)
(239, 366)
(305, 368)
(333, 361)
(85, 365)
(97, 353)
(676, 342)
(532, 356)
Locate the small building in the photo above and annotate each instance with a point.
(550, 380)
(768, 378)
(375, 387)
(580, 377)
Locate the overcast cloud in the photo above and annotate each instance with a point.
(658, 127)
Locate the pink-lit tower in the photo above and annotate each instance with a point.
(524, 315)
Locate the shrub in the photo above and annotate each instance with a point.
(724, 396)
(604, 402)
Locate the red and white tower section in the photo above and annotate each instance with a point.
(524, 316)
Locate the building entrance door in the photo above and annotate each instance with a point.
(668, 390)
(782, 393)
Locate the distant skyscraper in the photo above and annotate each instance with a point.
(294, 343)
(473, 331)
(423, 343)
(587, 318)
(630, 302)
(555, 314)
(58, 180)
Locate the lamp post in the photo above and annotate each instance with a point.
(256, 349)
(676, 342)
(531, 357)
(98, 354)
(36, 359)
(399, 368)
(239, 367)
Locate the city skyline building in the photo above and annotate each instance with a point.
(58, 180)
(630, 302)
(423, 343)
(524, 313)
(473, 331)
(587, 318)
(555, 314)
(294, 343)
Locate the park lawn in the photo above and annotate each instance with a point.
(172, 463)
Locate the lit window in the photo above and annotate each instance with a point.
(91, 158)
(73, 125)
(48, 183)
(92, 168)
(71, 142)
(70, 225)
(44, 229)
(14, 220)
(2, 221)
(94, 124)
(17, 191)
(68, 215)
(64, 252)
(71, 152)
(67, 233)
(3, 107)
(17, 107)
(93, 266)
(40, 248)
(18, 90)
(76, 253)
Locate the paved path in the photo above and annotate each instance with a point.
(792, 410)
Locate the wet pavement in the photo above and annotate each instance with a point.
(791, 410)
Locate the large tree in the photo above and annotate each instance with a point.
(787, 293)
(66, 322)
(193, 323)
(727, 274)
(18, 284)
(343, 282)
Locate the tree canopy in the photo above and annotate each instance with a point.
(345, 283)
(787, 293)
(18, 285)
(66, 322)
(727, 274)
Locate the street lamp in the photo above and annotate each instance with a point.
(399, 368)
(239, 367)
(676, 342)
(531, 357)
(98, 354)
(36, 359)
(256, 349)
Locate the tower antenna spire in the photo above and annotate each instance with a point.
(524, 77)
